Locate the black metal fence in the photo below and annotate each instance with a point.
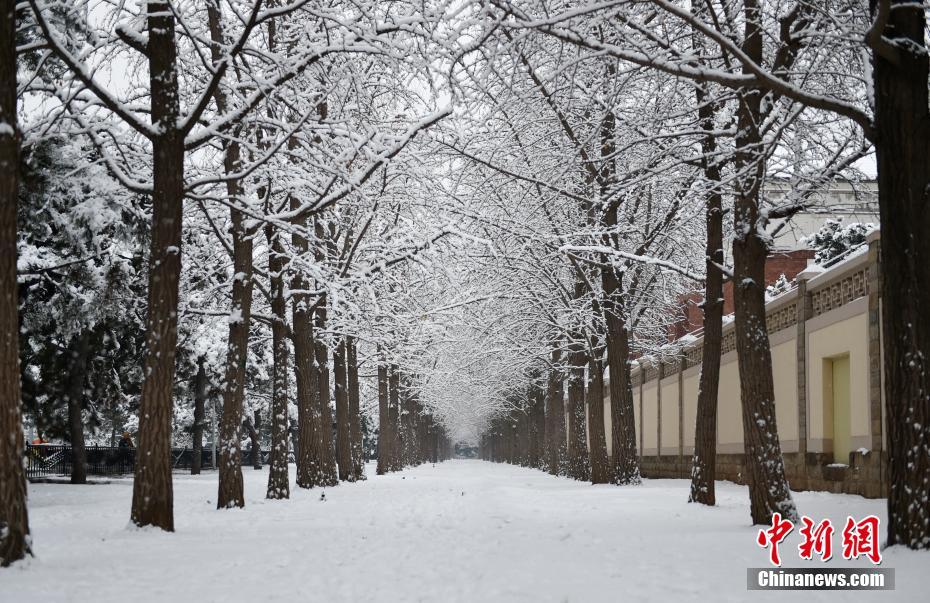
(47, 460)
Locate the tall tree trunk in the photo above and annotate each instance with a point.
(578, 467)
(539, 426)
(200, 401)
(309, 469)
(548, 435)
(343, 446)
(255, 435)
(308, 465)
(514, 434)
(14, 520)
(408, 406)
(355, 417)
(294, 435)
(152, 492)
(328, 451)
(394, 418)
(704, 462)
(422, 421)
(213, 433)
(230, 489)
(328, 455)
(515, 446)
(278, 486)
(403, 419)
(416, 420)
(903, 151)
(555, 394)
(624, 462)
(78, 372)
(528, 436)
(600, 463)
(421, 435)
(407, 421)
(384, 421)
(426, 450)
(765, 467)
(311, 464)
(426, 445)
(507, 438)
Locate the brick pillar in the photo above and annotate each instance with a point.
(805, 309)
(642, 377)
(659, 373)
(875, 341)
(875, 363)
(682, 364)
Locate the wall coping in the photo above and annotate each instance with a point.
(839, 271)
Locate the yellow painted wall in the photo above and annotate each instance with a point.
(650, 418)
(785, 373)
(836, 392)
(848, 336)
(691, 385)
(670, 415)
(729, 412)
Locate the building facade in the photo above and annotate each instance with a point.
(825, 337)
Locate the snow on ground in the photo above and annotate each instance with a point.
(456, 531)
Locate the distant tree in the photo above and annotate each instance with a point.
(81, 241)
(200, 400)
(341, 395)
(385, 425)
(356, 423)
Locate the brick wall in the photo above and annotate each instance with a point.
(789, 263)
(811, 471)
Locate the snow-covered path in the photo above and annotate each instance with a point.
(457, 531)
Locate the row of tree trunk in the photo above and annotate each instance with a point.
(408, 433)
(533, 433)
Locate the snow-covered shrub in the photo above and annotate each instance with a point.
(835, 239)
(781, 285)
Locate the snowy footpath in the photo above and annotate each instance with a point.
(456, 531)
